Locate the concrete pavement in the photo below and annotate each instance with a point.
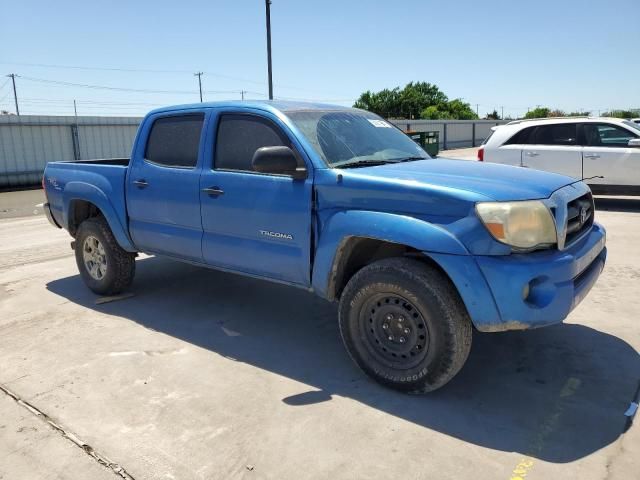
(202, 375)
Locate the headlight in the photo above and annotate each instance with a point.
(523, 225)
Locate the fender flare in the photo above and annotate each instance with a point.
(90, 193)
(388, 227)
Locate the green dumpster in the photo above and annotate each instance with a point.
(430, 141)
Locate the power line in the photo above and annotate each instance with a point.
(105, 69)
(154, 71)
(104, 87)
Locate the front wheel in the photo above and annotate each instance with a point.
(104, 266)
(404, 324)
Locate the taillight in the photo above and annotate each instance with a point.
(481, 154)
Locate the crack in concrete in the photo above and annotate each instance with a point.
(88, 449)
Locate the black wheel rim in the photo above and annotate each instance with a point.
(394, 331)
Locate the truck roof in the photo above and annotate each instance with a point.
(278, 105)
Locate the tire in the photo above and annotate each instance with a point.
(96, 249)
(404, 324)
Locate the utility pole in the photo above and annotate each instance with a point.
(199, 75)
(502, 114)
(75, 110)
(242, 92)
(477, 105)
(267, 4)
(15, 95)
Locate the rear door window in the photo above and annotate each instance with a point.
(562, 134)
(174, 141)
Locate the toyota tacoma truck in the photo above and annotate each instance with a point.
(417, 252)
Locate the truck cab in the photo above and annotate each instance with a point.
(416, 251)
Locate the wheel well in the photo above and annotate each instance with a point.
(79, 211)
(355, 253)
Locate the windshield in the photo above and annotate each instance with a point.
(632, 124)
(349, 138)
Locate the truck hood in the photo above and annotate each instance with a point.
(489, 180)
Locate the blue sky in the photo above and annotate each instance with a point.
(568, 54)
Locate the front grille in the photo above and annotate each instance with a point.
(579, 217)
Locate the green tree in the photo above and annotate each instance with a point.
(557, 113)
(454, 109)
(414, 97)
(631, 113)
(413, 101)
(492, 116)
(579, 114)
(385, 102)
(460, 110)
(434, 113)
(539, 112)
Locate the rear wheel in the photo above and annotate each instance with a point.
(405, 325)
(104, 266)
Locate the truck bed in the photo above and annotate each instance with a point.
(124, 162)
(104, 178)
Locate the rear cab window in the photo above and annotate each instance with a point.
(175, 141)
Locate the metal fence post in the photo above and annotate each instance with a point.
(75, 141)
(473, 134)
(444, 136)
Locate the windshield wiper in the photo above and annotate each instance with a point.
(363, 163)
(410, 159)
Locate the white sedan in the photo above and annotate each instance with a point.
(605, 152)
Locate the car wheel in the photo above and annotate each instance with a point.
(404, 324)
(104, 266)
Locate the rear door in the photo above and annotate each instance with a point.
(607, 153)
(510, 152)
(254, 222)
(163, 186)
(554, 148)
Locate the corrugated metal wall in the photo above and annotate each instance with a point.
(28, 142)
(453, 133)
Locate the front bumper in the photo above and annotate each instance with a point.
(541, 288)
(521, 291)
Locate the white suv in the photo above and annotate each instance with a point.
(605, 152)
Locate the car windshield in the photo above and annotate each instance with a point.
(632, 124)
(351, 138)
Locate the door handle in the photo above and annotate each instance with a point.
(213, 191)
(141, 183)
(591, 155)
(531, 154)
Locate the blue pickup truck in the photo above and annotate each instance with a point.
(416, 251)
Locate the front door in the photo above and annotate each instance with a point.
(254, 223)
(554, 148)
(163, 188)
(607, 154)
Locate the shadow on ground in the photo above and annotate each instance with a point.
(617, 204)
(557, 393)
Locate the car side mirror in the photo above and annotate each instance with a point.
(278, 160)
(634, 142)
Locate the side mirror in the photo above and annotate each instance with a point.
(634, 142)
(278, 160)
